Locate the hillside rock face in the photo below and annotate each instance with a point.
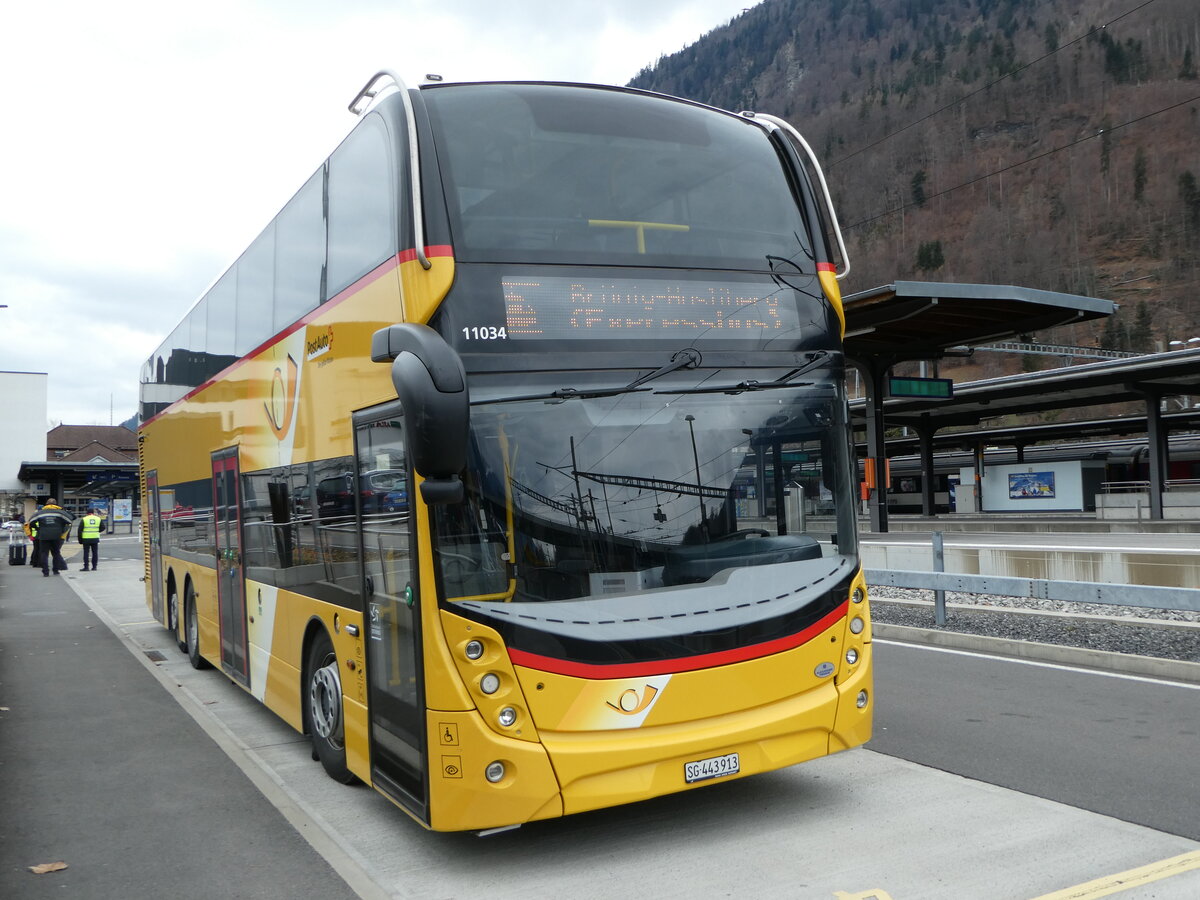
(1053, 144)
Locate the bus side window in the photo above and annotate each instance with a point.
(362, 231)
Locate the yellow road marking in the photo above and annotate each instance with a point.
(131, 624)
(1123, 881)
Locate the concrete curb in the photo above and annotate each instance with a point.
(1123, 663)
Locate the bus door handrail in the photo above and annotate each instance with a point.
(812, 158)
(369, 91)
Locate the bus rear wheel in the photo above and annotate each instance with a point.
(323, 691)
(193, 632)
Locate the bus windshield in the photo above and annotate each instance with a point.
(554, 174)
(591, 494)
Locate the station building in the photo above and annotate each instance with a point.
(78, 465)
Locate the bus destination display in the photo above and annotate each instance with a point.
(558, 307)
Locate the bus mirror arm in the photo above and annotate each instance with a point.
(432, 386)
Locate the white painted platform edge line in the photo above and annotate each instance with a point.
(344, 860)
(1035, 662)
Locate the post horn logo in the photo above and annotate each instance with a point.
(631, 704)
(282, 406)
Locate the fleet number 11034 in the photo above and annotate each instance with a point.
(485, 333)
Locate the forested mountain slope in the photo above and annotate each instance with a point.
(1053, 144)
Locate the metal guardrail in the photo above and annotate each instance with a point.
(1079, 592)
(940, 581)
(1127, 487)
(1144, 596)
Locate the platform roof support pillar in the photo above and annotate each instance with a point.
(875, 372)
(926, 433)
(1156, 439)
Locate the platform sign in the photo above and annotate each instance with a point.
(924, 388)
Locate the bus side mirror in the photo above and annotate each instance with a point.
(432, 386)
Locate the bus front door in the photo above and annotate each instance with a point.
(392, 614)
(152, 540)
(231, 593)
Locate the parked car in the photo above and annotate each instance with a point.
(335, 497)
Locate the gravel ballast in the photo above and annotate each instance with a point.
(1164, 634)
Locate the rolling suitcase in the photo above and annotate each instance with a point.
(16, 553)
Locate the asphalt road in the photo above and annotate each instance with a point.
(102, 770)
(1117, 745)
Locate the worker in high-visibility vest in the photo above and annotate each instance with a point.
(89, 536)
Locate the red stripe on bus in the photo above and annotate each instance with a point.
(680, 664)
(432, 251)
(826, 267)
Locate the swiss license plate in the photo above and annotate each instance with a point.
(713, 767)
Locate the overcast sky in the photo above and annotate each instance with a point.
(146, 143)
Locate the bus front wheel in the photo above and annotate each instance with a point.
(173, 617)
(323, 690)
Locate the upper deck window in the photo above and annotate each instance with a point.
(561, 174)
(362, 203)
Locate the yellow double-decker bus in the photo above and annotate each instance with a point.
(511, 462)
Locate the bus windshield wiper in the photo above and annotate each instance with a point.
(567, 393)
(686, 358)
(815, 359)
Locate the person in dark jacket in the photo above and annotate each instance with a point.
(50, 526)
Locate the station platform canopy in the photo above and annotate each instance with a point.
(65, 479)
(1021, 436)
(924, 320)
(911, 320)
(1139, 379)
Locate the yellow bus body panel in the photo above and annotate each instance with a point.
(772, 711)
(615, 741)
(462, 798)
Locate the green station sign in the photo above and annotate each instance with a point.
(926, 388)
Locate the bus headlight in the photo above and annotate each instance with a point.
(862, 699)
(852, 656)
(474, 649)
(494, 772)
(858, 595)
(507, 716)
(857, 625)
(489, 683)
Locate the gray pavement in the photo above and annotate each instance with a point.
(855, 825)
(102, 769)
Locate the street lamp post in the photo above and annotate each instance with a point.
(690, 419)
